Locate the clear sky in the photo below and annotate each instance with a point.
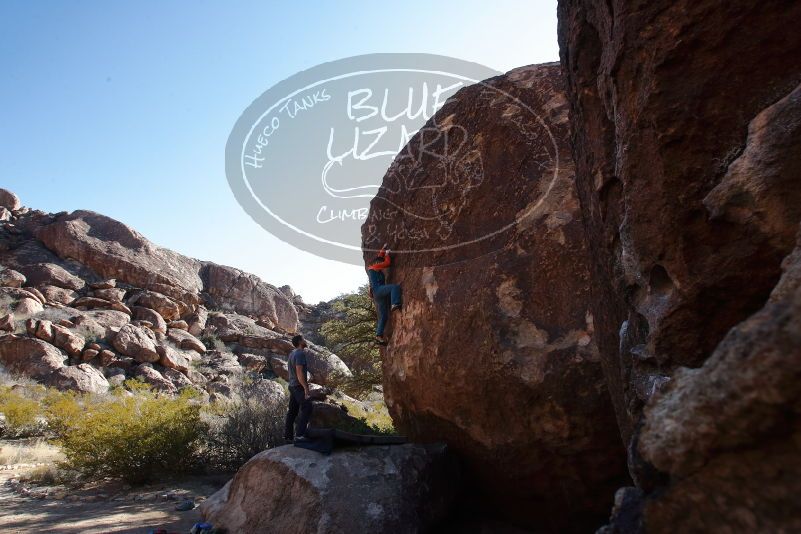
(124, 108)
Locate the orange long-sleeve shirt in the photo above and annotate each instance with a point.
(383, 264)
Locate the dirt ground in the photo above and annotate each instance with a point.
(136, 511)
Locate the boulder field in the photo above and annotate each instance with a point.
(87, 302)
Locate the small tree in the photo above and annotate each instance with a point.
(351, 334)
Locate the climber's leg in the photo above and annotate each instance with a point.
(395, 296)
(383, 315)
(393, 291)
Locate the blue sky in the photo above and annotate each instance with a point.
(124, 107)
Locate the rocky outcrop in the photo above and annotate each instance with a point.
(686, 143)
(30, 357)
(11, 278)
(82, 377)
(312, 318)
(723, 439)
(121, 306)
(137, 342)
(114, 250)
(9, 200)
(494, 352)
(246, 294)
(51, 274)
(688, 228)
(392, 490)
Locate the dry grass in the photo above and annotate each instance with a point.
(36, 451)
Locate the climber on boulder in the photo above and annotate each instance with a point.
(382, 293)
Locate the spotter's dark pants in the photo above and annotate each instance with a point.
(297, 403)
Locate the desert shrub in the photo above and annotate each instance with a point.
(211, 341)
(133, 437)
(62, 409)
(137, 386)
(21, 414)
(245, 426)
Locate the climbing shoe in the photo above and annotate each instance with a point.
(396, 307)
(381, 342)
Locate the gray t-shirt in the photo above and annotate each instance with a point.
(297, 357)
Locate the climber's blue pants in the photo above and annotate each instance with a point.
(383, 295)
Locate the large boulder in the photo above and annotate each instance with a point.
(31, 357)
(66, 339)
(185, 340)
(686, 145)
(11, 278)
(235, 328)
(725, 437)
(153, 377)
(214, 363)
(113, 250)
(58, 295)
(83, 378)
(494, 352)
(137, 342)
(99, 325)
(141, 313)
(9, 200)
(392, 490)
(177, 359)
(52, 274)
(196, 321)
(325, 366)
(234, 290)
(167, 307)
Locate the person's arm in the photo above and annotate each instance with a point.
(302, 375)
(384, 264)
(302, 379)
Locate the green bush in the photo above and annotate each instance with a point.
(21, 414)
(133, 437)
